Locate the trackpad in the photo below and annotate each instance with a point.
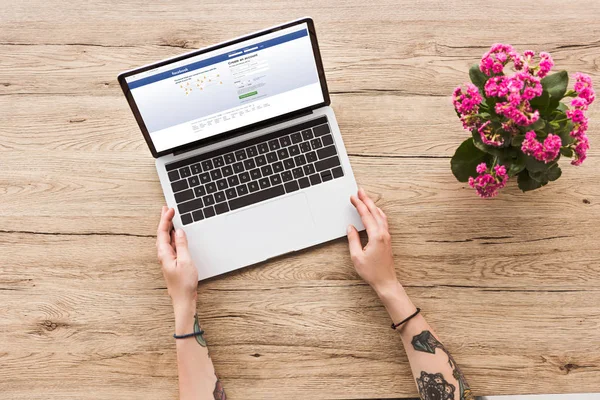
(267, 230)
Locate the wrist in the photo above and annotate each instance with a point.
(184, 316)
(396, 301)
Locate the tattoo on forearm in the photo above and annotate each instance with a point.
(429, 384)
(219, 392)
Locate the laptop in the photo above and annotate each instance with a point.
(247, 147)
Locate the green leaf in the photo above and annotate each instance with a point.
(526, 183)
(496, 151)
(565, 133)
(465, 160)
(478, 78)
(554, 172)
(566, 151)
(540, 176)
(516, 167)
(541, 102)
(556, 84)
(517, 141)
(534, 165)
(537, 125)
(562, 107)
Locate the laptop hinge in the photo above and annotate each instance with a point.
(295, 116)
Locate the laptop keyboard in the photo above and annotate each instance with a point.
(253, 171)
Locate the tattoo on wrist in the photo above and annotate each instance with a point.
(431, 384)
(219, 393)
(200, 336)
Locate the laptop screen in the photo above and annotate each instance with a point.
(232, 87)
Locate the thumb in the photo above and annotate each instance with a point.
(354, 242)
(181, 245)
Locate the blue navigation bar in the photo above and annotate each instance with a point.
(243, 51)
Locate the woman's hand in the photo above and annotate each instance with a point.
(177, 266)
(375, 262)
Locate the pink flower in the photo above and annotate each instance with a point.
(489, 182)
(584, 87)
(467, 104)
(546, 151)
(580, 148)
(546, 64)
(579, 102)
(518, 90)
(494, 60)
(488, 136)
(528, 54)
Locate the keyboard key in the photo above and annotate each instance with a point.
(255, 174)
(198, 215)
(304, 147)
(327, 140)
(309, 169)
(307, 134)
(326, 175)
(282, 153)
(328, 163)
(296, 137)
(207, 165)
(261, 160)
(291, 186)
(249, 164)
(218, 162)
(219, 197)
(227, 170)
(179, 185)
(286, 176)
(288, 163)
(294, 150)
(229, 158)
(184, 196)
(185, 172)
(186, 219)
(326, 152)
(275, 179)
(240, 155)
(315, 179)
(251, 151)
(173, 175)
(199, 191)
(221, 208)
(285, 141)
(264, 183)
(238, 167)
(304, 183)
(274, 144)
(209, 212)
(189, 206)
(204, 178)
(193, 181)
(337, 172)
(253, 186)
(222, 184)
(297, 172)
(300, 160)
(256, 197)
(233, 181)
(311, 157)
(321, 130)
(271, 157)
(266, 170)
(278, 167)
(216, 174)
(209, 200)
(211, 187)
(244, 177)
(316, 143)
(242, 190)
(230, 193)
(196, 169)
(262, 148)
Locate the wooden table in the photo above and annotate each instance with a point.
(511, 284)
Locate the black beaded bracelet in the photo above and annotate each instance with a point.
(405, 320)
(188, 335)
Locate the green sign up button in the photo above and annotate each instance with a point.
(248, 94)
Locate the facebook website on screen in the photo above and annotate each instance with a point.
(228, 88)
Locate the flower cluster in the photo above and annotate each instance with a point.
(585, 97)
(518, 90)
(489, 181)
(467, 105)
(546, 151)
(497, 57)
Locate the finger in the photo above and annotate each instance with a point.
(365, 215)
(354, 244)
(370, 205)
(181, 244)
(164, 226)
(384, 217)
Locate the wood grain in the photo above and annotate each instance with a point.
(511, 284)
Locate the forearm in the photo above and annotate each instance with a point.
(197, 378)
(436, 373)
